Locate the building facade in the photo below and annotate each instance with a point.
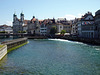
(97, 23)
(67, 28)
(88, 26)
(43, 29)
(59, 28)
(33, 26)
(79, 29)
(18, 23)
(6, 28)
(74, 26)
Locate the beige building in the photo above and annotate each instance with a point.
(33, 26)
(57, 25)
(67, 28)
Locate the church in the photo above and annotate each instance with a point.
(33, 26)
(18, 23)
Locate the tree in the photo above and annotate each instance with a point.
(21, 31)
(63, 32)
(53, 30)
(3, 32)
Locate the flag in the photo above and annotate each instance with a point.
(85, 23)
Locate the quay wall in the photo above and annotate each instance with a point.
(84, 40)
(16, 43)
(3, 51)
(37, 37)
(11, 45)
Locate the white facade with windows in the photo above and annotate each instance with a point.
(43, 29)
(5, 28)
(79, 29)
(8, 29)
(88, 26)
(59, 28)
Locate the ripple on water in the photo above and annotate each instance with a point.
(52, 57)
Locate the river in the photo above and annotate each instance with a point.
(52, 57)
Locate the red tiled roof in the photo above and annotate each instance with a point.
(33, 19)
(26, 21)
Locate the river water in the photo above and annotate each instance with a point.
(52, 57)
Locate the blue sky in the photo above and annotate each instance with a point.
(46, 9)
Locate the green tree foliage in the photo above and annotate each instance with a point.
(53, 30)
(21, 31)
(3, 32)
(63, 32)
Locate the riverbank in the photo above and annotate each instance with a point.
(84, 40)
(37, 37)
(8, 46)
(14, 43)
(9, 50)
(3, 51)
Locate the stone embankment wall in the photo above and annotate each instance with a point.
(37, 37)
(11, 45)
(84, 40)
(3, 51)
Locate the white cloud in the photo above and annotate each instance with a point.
(79, 15)
(70, 17)
(8, 23)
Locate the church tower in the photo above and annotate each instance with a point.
(14, 17)
(22, 17)
(53, 20)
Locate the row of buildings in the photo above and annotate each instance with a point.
(6, 29)
(88, 26)
(39, 27)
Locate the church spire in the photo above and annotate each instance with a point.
(14, 17)
(22, 16)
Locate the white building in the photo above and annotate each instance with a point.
(59, 28)
(8, 29)
(79, 29)
(43, 29)
(1, 29)
(25, 28)
(74, 30)
(5, 28)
